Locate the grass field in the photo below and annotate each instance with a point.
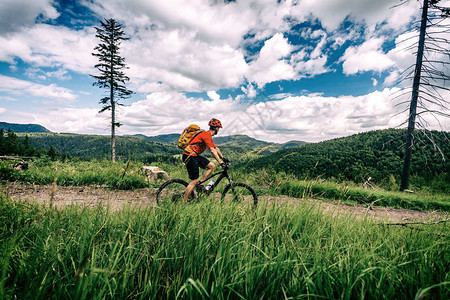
(207, 250)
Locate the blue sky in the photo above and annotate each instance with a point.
(306, 70)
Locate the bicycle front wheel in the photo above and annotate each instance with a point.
(172, 191)
(241, 193)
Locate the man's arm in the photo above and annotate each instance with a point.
(217, 154)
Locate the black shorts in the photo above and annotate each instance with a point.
(193, 163)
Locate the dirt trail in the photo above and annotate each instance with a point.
(92, 196)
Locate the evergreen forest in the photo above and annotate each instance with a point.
(377, 155)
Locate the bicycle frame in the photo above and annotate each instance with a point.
(223, 174)
(177, 188)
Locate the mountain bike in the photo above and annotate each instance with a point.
(174, 189)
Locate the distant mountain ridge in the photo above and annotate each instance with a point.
(233, 141)
(23, 128)
(96, 146)
(164, 138)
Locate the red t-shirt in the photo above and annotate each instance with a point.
(199, 143)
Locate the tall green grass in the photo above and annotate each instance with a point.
(120, 175)
(206, 250)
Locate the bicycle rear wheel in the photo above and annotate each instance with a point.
(173, 191)
(240, 192)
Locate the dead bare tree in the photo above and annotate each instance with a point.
(430, 77)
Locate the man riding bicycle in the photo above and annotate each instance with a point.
(193, 160)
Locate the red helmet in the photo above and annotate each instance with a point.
(215, 123)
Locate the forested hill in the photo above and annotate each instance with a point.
(164, 138)
(251, 143)
(376, 154)
(233, 143)
(99, 146)
(22, 127)
(142, 147)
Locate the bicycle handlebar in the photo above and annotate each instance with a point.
(226, 163)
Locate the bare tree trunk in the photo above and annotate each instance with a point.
(415, 94)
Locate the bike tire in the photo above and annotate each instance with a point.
(172, 190)
(240, 192)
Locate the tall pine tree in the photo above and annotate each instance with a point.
(111, 77)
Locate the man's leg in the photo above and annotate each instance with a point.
(189, 189)
(193, 171)
(209, 169)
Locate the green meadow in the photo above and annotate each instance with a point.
(206, 250)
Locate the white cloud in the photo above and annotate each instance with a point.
(18, 14)
(332, 13)
(69, 120)
(182, 62)
(75, 120)
(250, 90)
(51, 46)
(197, 45)
(271, 64)
(309, 118)
(404, 57)
(21, 87)
(213, 95)
(37, 73)
(304, 67)
(366, 57)
(214, 22)
(7, 98)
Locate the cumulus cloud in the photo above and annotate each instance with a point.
(271, 64)
(215, 22)
(18, 14)
(366, 57)
(309, 118)
(197, 45)
(7, 98)
(182, 63)
(77, 120)
(308, 67)
(49, 46)
(21, 87)
(213, 95)
(69, 120)
(332, 13)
